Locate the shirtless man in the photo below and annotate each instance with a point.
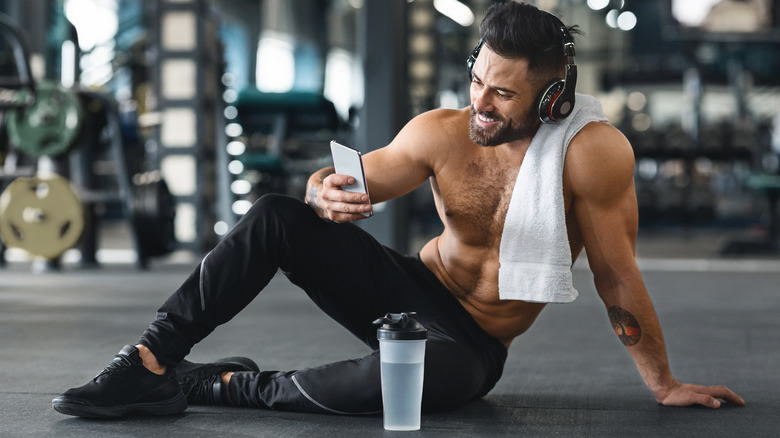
(471, 157)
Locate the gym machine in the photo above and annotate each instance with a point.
(56, 139)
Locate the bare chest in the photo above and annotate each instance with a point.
(475, 204)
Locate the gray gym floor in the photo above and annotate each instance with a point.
(567, 376)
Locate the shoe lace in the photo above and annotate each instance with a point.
(118, 365)
(197, 388)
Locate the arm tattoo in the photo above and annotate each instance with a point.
(625, 325)
(314, 188)
(312, 200)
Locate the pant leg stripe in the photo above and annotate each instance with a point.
(320, 405)
(200, 283)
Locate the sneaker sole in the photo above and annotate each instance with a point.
(172, 406)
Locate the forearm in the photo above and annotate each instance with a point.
(635, 322)
(314, 190)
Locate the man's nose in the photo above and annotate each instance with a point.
(481, 100)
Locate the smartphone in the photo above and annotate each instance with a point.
(348, 161)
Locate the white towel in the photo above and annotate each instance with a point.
(535, 255)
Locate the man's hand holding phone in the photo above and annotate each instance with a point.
(342, 205)
(343, 195)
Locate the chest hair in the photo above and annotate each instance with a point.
(480, 200)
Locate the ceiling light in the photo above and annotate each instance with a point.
(455, 10)
(598, 5)
(626, 20)
(612, 17)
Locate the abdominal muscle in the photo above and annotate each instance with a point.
(471, 275)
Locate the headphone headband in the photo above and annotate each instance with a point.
(474, 53)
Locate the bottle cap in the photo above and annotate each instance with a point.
(400, 326)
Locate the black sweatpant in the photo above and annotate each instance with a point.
(351, 277)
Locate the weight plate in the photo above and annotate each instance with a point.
(41, 215)
(48, 127)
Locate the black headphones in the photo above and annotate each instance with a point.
(556, 101)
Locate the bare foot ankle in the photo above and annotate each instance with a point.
(149, 360)
(226, 377)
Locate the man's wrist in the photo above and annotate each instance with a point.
(314, 191)
(661, 391)
(312, 200)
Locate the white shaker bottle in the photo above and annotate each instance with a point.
(402, 353)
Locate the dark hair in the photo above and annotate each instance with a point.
(518, 30)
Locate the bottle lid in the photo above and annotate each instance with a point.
(400, 326)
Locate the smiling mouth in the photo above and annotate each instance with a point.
(485, 118)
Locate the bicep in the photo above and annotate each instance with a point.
(606, 209)
(391, 173)
(609, 237)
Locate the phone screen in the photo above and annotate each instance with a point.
(348, 161)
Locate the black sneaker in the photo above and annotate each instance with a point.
(124, 388)
(202, 382)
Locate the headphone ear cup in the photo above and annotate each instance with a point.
(548, 99)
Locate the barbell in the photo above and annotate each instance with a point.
(44, 216)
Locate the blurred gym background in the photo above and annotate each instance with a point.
(140, 130)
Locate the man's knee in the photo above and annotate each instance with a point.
(278, 203)
(276, 207)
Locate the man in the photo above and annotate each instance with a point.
(464, 284)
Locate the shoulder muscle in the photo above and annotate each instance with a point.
(599, 163)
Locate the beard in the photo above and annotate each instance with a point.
(505, 131)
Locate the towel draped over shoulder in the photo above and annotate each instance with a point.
(535, 255)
